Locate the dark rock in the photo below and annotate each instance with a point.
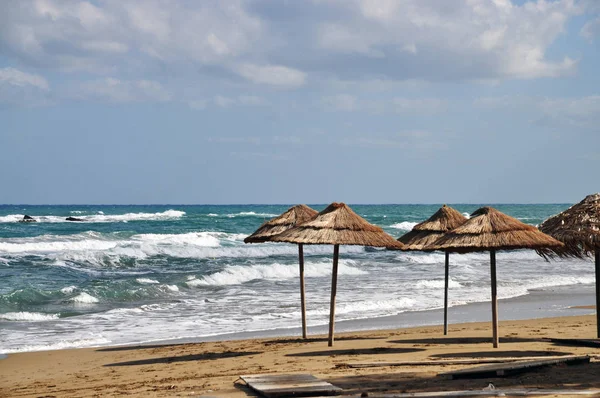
(73, 219)
(27, 218)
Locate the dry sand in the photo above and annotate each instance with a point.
(212, 368)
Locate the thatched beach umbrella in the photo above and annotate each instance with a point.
(491, 230)
(430, 230)
(578, 228)
(292, 217)
(337, 225)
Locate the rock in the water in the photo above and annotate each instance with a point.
(73, 219)
(27, 218)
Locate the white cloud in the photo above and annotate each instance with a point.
(273, 75)
(418, 140)
(80, 35)
(18, 88)
(15, 77)
(350, 103)
(591, 29)
(118, 91)
(340, 102)
(469, 39)
(198, 105)
(223, 102)
(226, 102)
(251, 100)
(580, 112)
(426, 105)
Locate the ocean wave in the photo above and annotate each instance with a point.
(28, 316)
(60, 345)
(237, 274)
(436, 284)
(112, 250)
(146, 281)
(100, 217)
(404, 225)
(84, 298)
(250, 214)
(379, 307)
(68, 289)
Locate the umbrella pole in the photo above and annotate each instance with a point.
(302, 291)
(598, 291)
(494, 297)
(336, 254)
(446, 294)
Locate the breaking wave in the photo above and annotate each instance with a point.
(100, 217)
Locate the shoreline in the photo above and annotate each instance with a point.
(566, 300)
(212, 367)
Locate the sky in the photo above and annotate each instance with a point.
(312, 101)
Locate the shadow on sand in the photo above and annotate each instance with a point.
(465, 340)
(139, 347)
(316, 340)
(500, 354)
(357, 351)
(185, 358)
(583, 376)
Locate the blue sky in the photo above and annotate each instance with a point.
(361, 101)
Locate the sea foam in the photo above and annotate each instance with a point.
(237, 274)
(404, 225)
(28, 316)
(84, 298)
(100, 217)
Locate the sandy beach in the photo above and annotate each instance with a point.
(213, 368)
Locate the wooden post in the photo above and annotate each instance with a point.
(598, 292)
(494, 297)
(446, 294)
(302, 291)
(336, 254)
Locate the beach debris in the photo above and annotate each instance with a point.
(507, 369)
(287, 385)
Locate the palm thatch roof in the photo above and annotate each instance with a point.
(430, 230)
(490, 229)
(578, 227)
(293, 216)
(338, 224)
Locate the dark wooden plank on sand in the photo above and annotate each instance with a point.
(289, 385)
(507, 369)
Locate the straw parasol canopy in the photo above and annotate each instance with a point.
(337, 225)
(430, 230)
(293, 216)
(489, 230)
(578, 228)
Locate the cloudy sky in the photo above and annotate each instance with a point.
(362, 101)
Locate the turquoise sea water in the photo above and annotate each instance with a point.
(131, 274)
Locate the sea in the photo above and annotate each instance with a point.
(161, 273)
